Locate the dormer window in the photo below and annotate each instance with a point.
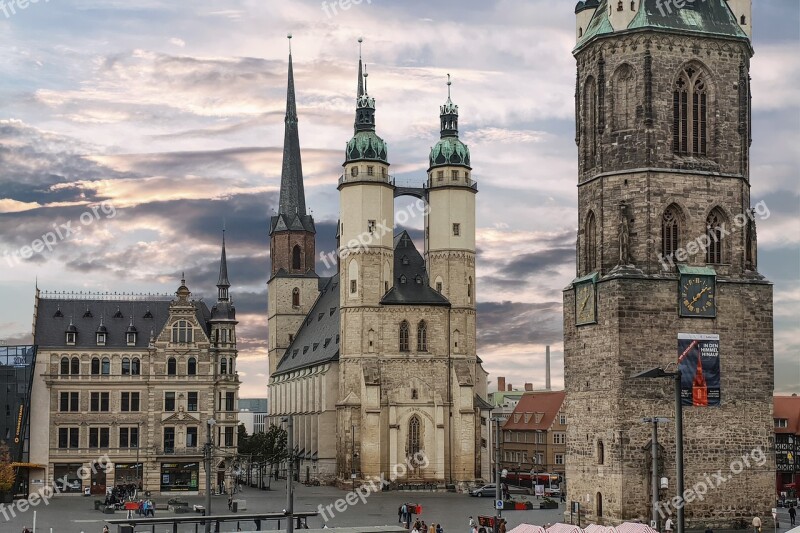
(101, 339)
(418, 279)
(405, 260)
(403, 279)
(130, 339)
(71, 338)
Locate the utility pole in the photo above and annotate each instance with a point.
(679, 446)
(290, 476)
(654, 466)
(208, 458)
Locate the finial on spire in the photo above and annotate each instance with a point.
(449, 83)
(365, 79)
(360, 40)
(289, 36)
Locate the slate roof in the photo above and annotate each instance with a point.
(411, 284)
(317, 340)
(713, 17)
(50, 328)
(292, 197)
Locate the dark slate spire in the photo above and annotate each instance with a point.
(365, 106)
(448, 113)
(292, 198)
(223, 284)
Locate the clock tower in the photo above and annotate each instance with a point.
(666, 250)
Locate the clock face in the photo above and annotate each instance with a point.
(696, 296)
(585, 304)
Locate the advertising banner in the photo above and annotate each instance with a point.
(698, 361)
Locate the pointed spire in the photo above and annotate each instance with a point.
(292, 197)
(365, 106)
(448, 114)
(360, 90)
(223, 284)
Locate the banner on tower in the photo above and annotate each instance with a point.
(698, 361)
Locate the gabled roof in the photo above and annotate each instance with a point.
(710, 17)
(411, 285)
(317, 340)
(85, 314)
(546, 403)
(787, 407)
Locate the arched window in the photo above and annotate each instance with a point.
(296, 297)
(670, 232)
(352, 272)
(413, 436)
(590, 122)
(172, 366)
(404, 345)
(580, 32)
(136, 366)
(296, 257)
(624, 97)
(422, 336)
(749, 247)
(182, 331)
(95, 368)
(601, 453)
(371, 340)
(599, 504)
(223, 366)
(105, 366)
(456, 338)
(715, 224)
(743, 20)
(191, 366)
(75, 366)
(64, 370)
(689, 113)
(469, 290)
(126, 366)
(230, 365)
(590, 243)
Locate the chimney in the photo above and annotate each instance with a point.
(547, 368)
(501, 384)
(509, 388)
(529, 387)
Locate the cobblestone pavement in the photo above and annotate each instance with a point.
(76, 514)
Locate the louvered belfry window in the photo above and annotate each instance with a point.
(690, 113)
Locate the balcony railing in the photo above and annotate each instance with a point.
(378, 178)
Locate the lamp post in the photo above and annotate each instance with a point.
(654, 465)
(208, 458)
(676, 376)
(139, 484)
(290, 475)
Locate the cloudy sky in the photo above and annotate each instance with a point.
(172, 112)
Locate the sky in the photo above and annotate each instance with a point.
(169, 114)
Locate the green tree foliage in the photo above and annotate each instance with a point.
(7, 473)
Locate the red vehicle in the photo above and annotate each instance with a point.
(551, 482)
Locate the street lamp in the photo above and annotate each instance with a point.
(208, 458)
(676, 376)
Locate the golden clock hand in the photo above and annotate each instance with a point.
(700, 294)
(585, 301)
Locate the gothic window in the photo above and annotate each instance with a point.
(404, 344)
(414, 394)
(191, 366)
(715, 227)
(689, 113)
(296, 297)
(590, 243)
(413, 435)
(670, 232)
(95, 367)
(749, 256)
(599, 504)
(601, 453)
(590, 122)
(182, 331)
(422, 336)
(296, 257)
(172, 366)
(624, 97)
(64, 370)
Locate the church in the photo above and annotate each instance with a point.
(378, 363)
(667, 269)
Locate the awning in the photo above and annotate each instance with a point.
(27, 465)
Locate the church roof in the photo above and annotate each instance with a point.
(317, 340)
(292, 196)
(710, 17)
(411, 285)
(53, 317)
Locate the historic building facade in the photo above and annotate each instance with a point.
(666, 246)
(378, 362)
(135, 379)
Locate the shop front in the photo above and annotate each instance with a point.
(66, 477)
(180, 477)
(128, 474)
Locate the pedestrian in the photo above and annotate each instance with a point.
(471, 523)
(502, 528)
(668, 525)
(415, 529)
(400, 514)
(756, 524)
(439, 528)
(105, 529)
(792, 514)
(230, 502)
(151, 507)
(432, 528)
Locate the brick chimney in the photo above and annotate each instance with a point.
(501, 384)
(529, 387)
(510, 388)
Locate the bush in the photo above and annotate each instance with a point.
(7, 473)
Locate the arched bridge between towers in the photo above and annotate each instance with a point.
(410, 187)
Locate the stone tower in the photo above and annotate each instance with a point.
(294, 285)
(666, 246)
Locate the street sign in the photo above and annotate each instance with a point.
(498, 504)
(504, 473)
(774, 513)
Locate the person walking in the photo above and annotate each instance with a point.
(792, 514)
(756, 524)
(471, 523)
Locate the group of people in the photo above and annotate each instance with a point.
(421, 527)
(473, 526)
(146, 508)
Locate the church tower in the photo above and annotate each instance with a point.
(294, 285)
(666, 254)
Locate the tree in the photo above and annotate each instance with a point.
(242, 439)
(7, 473)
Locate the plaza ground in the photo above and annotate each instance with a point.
(76, 514)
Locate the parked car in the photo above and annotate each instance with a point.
(486, 490)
